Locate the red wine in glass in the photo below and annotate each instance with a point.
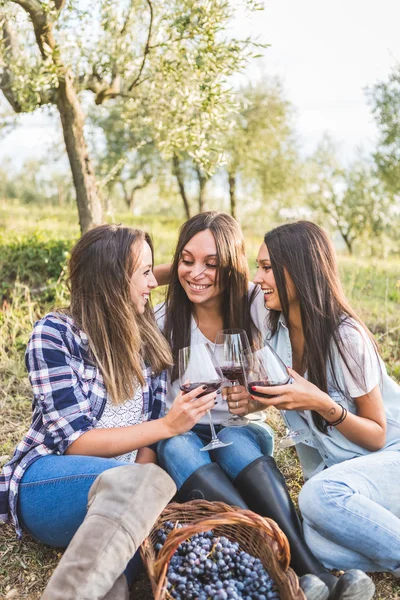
(212, 386)
(233, 374)
(263, 383)
(230, 343)
(266, 369)
(197, 367)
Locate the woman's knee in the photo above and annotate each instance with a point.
(311, 501)
(180, 456)
(178, 446)
(259, 437)
(321, 497)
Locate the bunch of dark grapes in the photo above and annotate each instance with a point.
(206, 567)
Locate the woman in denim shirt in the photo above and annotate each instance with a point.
(342, 395)
(85, 471)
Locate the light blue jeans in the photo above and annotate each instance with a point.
(351, 513)
(180, 456)
(53, 497)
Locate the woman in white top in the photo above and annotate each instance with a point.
(342, 395)
(209, 291)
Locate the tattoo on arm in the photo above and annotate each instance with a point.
(332, 411)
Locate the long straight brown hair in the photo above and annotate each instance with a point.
(304, 250)
(120, 339)
(232, 276)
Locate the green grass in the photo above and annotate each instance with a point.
(34, 244)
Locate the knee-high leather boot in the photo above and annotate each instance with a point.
(210, 483)
(263, 487)
(123, 504)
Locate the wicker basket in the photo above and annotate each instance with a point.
(256, 535)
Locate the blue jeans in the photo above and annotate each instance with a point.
(53, 497)
(180, 456)
(351, 513)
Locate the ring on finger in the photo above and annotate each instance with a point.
(237, 404)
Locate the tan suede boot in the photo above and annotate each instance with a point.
(119, 591)
(123, 504)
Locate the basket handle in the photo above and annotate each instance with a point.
(266, 526)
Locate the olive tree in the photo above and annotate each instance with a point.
(171, 58)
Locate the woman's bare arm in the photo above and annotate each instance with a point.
(367, 428)
(162, 273)
(185, 412)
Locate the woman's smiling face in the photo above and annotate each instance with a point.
(142, 280)
(198, 268)
(266, 280)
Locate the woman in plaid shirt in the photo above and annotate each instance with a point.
(97, 372)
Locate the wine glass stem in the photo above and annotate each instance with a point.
(213, 434)
(233, 383)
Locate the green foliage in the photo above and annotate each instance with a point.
(373, 289)
(56, 222)
(165, 65)
(183, 101)
(352, 200)
(36, 182)
(261, 147)
(384, 99)
(36, 262)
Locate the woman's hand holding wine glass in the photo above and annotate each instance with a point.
(238, 399)
(301, 394)
(200, 374)
(229, 347)
(268, 381)
(188, 408)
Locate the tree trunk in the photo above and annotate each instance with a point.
(128, 197)
(347, 238)
(72, 120)
(181, 184)
(348, 242)
(232, 193)
(202, 185)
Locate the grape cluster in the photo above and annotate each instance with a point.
(206, 567)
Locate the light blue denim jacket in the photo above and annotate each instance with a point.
(321, 450)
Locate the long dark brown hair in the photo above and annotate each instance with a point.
(120, 339)
(304, 250)
(232, 276)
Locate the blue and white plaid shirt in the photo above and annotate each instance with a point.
(69, 396)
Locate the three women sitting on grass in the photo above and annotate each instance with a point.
(91, 415)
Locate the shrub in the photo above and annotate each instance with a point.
(33, 260)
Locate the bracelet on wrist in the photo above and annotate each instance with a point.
(339, 420)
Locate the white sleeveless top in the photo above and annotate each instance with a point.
(121, 415)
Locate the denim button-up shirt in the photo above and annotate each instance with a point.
(69, 397)
(321, 450)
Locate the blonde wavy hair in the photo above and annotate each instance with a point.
(120, 339)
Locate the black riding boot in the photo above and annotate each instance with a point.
(263, 487)
(210, 483)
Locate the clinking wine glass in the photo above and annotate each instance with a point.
(229, 347)
(265, 368)
(198, 367)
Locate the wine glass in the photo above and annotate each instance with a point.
(229, 347)
(265, 368)
(198, 367)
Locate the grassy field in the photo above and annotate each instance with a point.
(34, 247)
